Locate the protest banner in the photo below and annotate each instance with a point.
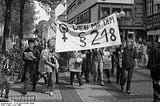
(103, 33)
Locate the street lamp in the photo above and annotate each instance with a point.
(121, 15)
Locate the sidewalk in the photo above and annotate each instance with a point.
(141, 90)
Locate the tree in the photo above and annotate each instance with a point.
(11, 19)
(8, 5)
(51, 3)
(22, 4)
(28, 21)
(40, 28)
(2, 11)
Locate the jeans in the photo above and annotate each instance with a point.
(107, 71)
(30, 74)
(128, 77)
(51, 80)
(98, 66)
(156, 89)
(86, 69)
(119, 73)
(57, 77)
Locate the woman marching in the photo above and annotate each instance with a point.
(49, 64)
(75, 66)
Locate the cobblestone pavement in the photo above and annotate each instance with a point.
(141, 90)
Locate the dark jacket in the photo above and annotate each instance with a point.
(97, 55)
(128, 57)
(154, 63)
(36, 53)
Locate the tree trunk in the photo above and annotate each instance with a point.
(7, 23)
(22, 4)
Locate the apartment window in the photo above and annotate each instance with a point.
(128, 12)
(104, 12)
(116, 10)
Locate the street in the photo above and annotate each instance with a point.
(141, 90)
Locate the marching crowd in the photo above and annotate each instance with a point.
(44, 62)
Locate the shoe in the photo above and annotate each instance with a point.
(94, 83)
(102, 83)
(128, 92)
(51, 93)
(6, 96)
(122, 88)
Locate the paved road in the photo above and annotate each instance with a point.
(141, 90)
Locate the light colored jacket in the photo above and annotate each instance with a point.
(46, 55)
(74, 64)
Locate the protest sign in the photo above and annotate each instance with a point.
(103, 33)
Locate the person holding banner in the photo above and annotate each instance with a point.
(97, 65)
(107, 63)
(75, 66)
(86, 65)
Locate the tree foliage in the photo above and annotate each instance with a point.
(29, 17)
(2, 11)
(51, 3)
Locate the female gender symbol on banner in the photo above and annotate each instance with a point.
(64, 29)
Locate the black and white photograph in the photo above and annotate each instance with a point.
(54, 51)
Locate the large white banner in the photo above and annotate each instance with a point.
(99, 34)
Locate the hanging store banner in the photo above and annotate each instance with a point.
(99, 34)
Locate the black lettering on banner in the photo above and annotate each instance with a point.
(64, 29)
(93, 42)
(105, 32)
(82, 39)
(113, 36)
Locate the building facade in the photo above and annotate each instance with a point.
(153, 19)
(86, 11)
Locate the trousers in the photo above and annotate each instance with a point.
(156, 90)
(126, 77)
(78, 75)
(51, 80)
(98, 66)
